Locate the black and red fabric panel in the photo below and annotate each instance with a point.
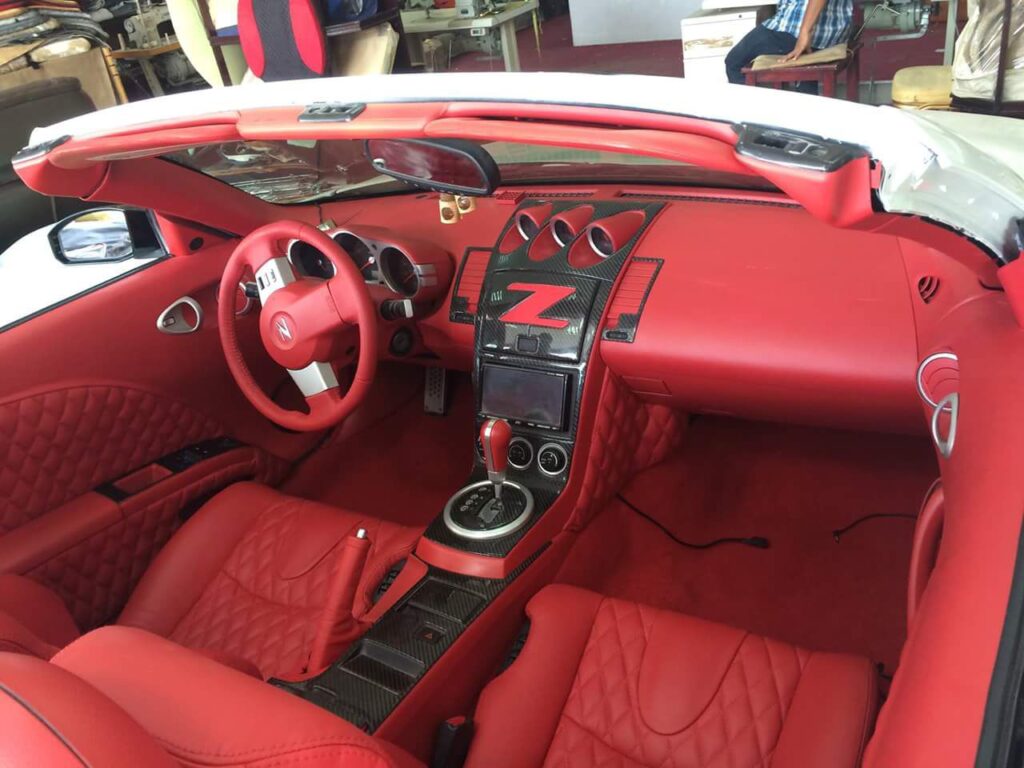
(283, 40)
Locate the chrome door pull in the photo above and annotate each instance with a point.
(183, 316)
(951, 404)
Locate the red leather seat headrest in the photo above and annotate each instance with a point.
(282, 40)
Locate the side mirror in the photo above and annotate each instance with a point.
(443, 165)
(97, 236)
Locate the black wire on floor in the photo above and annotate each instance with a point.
(838, 533)
(758, 542)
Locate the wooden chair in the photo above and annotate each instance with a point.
(825, 74)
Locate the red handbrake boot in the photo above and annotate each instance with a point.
(338, 626)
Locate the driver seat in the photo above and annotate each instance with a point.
(254, 576)
(269, 584)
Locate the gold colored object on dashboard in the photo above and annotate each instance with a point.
(454, 207)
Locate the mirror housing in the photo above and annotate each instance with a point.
(443, 165)
(105, 236)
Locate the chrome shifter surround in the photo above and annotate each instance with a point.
(494, 533)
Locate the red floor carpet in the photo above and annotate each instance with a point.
(794, 486)
(402, 467)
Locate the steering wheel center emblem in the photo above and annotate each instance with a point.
(282, 327)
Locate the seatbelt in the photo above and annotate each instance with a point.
(337, 625)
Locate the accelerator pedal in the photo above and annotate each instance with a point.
(435, 392)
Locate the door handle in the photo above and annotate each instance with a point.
(951, 404)
(183, 316)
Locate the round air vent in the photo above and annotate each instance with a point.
(567, 224)
(526, 225)
(938, 376)
(603, 238)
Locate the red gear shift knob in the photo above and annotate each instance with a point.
(495, 435)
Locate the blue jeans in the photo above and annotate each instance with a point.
(758, 41)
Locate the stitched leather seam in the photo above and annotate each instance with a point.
(223, 569)
(183, 492)
(866, 726)
(44, 722)
(582, 651)
(764, 751)
(268, 751)
(600, 740)
(775, 681)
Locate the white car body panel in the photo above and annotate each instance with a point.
(31, 278)
(932, 168)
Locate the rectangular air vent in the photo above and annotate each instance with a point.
(766, 199)
(468, 285)
(514, 196)
(628, 302)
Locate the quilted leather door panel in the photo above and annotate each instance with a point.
(92, 391)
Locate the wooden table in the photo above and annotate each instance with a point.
(145, 58)
(420, 23)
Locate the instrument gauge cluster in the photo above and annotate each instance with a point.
(405, 267)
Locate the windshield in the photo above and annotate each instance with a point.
(304, 171)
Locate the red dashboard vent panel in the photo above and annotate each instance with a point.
(628, 302)
(468, 285)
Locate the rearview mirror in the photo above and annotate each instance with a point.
(93, 237)
(443, 165)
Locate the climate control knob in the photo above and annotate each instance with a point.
(520, 453)
(552, 459)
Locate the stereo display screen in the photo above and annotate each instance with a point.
(537, 397)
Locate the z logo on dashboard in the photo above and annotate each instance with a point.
(541, 299)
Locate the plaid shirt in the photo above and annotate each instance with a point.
(832, 28)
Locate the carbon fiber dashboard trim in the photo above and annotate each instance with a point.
(597, 281)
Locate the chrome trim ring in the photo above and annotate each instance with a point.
(494, 533)
(528, 444)
(388, 278)
(593, 246)
(519, 225)
(565, 455)
(920, 373)
(554, 233)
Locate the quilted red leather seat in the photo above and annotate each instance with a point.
(251, 578)
(254, 579)
(120, 698)
(612, 683)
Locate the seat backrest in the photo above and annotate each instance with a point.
(282, 40)
(52, 718)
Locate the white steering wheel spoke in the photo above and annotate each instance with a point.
(274, 275)
(314, 378)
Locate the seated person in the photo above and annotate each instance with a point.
(798, 27)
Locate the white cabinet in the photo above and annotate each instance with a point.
(606, 22)
(709, 35)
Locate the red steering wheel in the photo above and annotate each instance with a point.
(305, 324)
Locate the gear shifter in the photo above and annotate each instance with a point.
(495, 507)
(495, 435)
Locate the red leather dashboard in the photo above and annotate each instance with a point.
(764, 312)
(758, 309)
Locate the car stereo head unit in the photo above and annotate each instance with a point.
(524, 395)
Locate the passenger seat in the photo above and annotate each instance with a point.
(607, 682)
